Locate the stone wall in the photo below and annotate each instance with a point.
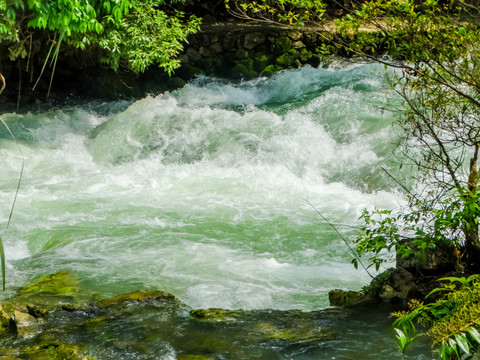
(232, 50)
(245, 51)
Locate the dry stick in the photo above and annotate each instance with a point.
(4, 83)
(19, 85)
(341, 237)
(399, 183)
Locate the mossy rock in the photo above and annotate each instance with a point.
(315, 60)
(217, 315)
(260, 61)
(295, 333)
(339, 297)
(7, 324)
(244, 69)
(241, 54)
(156, 298)
(283, 44)
(230, 42)
(188, 71)
(60, 283)
(192, 357)
(305, 55)
(271, 69)
(286, 60)
(55, 351)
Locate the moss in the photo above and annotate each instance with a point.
(7, 325)
(347, 298)
(305, 55)
(286, 60)
(244, 69)
(55, 351)
(271, 69)
(97, 321)
(260, 61)
(140, 297)
(216, 314)
(294, 334)
(283, 44)
(61, 283)
(175, 82)
(230, 42)
(241, 54)
(193, 357)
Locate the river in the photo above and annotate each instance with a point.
(209, 193)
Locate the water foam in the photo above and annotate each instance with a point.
(203, 192)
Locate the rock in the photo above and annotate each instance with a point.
(252, 40)
(27, 326)
(285, 60)
(216, 47)
(283, 44)
(61, 283)
(398, 285)
(270, 70)
(7, 324)
(260, 61)
(243, 69)
(305, 55)
(295, 333)
(156, 298)
(295, 35)
(430, 260)
(217, 315)
(242, 54)
(193, 55)
(339, 297)
(55, 351)
(298, 45)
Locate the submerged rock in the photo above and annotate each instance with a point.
(7, 324)
(156, 298)
(216, 314)
(60, 283)
(339, 297)
(55, 351)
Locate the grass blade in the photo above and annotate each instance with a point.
(2, 249)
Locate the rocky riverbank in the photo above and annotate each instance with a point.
(54, 318)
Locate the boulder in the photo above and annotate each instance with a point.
(55, 351)
(339, 297)
(398, 286)
(27, 326)
(7, 324)
(155, 298)
(252, 40)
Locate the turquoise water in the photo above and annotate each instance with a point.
(205, 192)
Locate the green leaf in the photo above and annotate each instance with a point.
(463, 343)
(475, 334)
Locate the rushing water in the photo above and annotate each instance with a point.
(207, 192)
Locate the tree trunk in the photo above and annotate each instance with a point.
(470, 228)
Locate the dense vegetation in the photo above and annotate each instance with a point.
(126, 33)
(434, 47)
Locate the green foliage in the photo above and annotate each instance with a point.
(134, 34)
(290, 12)
(147, 36)
(453, 320)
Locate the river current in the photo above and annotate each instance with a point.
(210, 192)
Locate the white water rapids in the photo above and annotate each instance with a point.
(204, 192)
